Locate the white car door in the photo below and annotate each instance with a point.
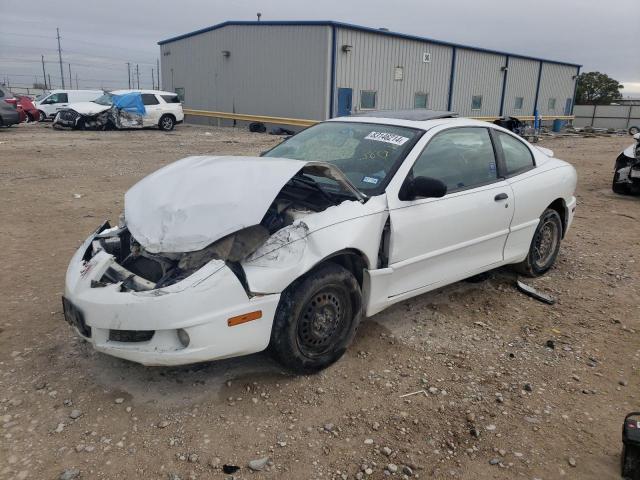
(435, 241)
(153, 110)
(54, 102)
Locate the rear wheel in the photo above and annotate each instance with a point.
(317, 318)
(545, 245)
(633, 130)
(167, 122)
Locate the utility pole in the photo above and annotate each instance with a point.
(158, 71)
(50, 86)
(70, 81)
(153, 82)
(60, 57)
(77, 88)
(129, 74)
(44, 73)
(138, 75)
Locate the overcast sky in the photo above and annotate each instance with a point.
(99, 38)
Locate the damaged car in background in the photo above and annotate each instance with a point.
(626, 175)
(123, 109)
(216, 257)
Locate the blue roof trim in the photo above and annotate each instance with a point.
(350, 26)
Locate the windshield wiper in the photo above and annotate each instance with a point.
(310, 182)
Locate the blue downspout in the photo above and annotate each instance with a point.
(332, 88)
(535, 102)
(504, 85)
(575, 90)
(452, 78)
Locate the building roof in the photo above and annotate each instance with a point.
(330, 23)
(416, 114)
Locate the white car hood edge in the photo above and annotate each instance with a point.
(87, 108)
(191, 203)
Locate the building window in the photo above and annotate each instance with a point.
(421, 100)
(552, 104)
(518, 103)
(476, 102)
(367, 100)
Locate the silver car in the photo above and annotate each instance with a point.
(8, 108)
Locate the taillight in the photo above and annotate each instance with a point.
(12, 101)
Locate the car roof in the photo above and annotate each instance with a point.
(418, 114)
(155, 92)
(382, 119)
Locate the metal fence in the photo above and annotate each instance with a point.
(300, 122)
(607, 116)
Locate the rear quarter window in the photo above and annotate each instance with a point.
(517, 156)
(170, 98)
(149, 99)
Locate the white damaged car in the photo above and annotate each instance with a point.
(217, 257)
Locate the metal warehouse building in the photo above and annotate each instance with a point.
(321, 69)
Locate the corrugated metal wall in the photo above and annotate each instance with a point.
(522, 78)
(285, 70)
(279, 70)
(556, 82)
(371, 63)
(477, 73)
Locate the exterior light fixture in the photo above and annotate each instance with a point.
(347, 48)
(226, 53)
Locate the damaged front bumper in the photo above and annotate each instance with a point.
(203, 317)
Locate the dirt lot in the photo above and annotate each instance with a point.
(501, 403)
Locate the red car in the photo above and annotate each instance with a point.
(26, 109)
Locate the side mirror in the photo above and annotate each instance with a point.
(425, 187)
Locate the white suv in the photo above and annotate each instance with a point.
(161, 109)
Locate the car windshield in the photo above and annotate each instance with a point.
(41, 96)
(367, 153)
(106, 99)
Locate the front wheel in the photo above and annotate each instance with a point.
(167, 122)
(545, 245)
(317, 318)
(633, 130)
(43, 116)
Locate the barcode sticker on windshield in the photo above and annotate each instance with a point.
(386, 138)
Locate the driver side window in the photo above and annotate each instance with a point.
(462, 158)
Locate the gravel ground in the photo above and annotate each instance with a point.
(513, 388)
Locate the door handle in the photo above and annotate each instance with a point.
(501, 196)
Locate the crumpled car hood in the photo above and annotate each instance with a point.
(87, 108)
(193, 202)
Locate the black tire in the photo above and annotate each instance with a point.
(633, 130)
(619, 188)
(166, 123)
(544, 247)
(316, 319)
(43, 116)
